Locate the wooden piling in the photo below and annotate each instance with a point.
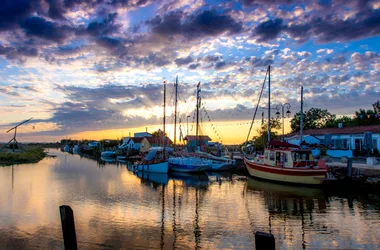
(68, 227)
(264, 241)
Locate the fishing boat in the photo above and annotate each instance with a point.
(217, 163)
(188, 164)
(156, 159)
(283, 161)
(108, 154)
(182, 162)
(287, 163)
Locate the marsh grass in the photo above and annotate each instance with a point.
(31, 154)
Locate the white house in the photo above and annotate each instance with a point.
(134, 143)
(344, 137)
(309, 139)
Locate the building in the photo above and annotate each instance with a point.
(134, 143)
(191, 142)
(154, 141)
(351, 138)
(309, 139)
(142, 134)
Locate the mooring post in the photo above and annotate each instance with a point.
(264, 241)
(68, 227)
(349, 167)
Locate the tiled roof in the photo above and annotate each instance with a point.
(158, 140)
(194, 137)
(137, 139)
(339, 131)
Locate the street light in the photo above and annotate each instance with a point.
(278, 114)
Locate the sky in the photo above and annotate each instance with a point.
(95, 69)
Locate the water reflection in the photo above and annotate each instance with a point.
(116, 208)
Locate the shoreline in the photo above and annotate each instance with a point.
(31, 154)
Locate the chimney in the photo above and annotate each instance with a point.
(340, 125)
(146, 129)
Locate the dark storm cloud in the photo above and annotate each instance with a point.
(325, 29)
(39, 27)
(12, 11)
(194, 66)
(105, 27)
(206, 23)
(184, 61)
(268, 30)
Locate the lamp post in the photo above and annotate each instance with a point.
(187, 125)
(278, 114)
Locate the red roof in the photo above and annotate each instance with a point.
(137, 139)
(159, 139)
(344, 130)
(194, 137)
(283, 144)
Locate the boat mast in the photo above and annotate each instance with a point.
(269, 125)
(197, 125)
(164, 141)
(301, 116)
(175, 110)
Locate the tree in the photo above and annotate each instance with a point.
(261, 140)
(366, 117)
(376, 107)
(159, 133)
(313, 118)
(345, 120)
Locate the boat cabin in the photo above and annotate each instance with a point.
(287, 158)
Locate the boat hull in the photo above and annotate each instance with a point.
(161, 167)
(188, 168)
(221, 166)
(307, 176)
(188, 164)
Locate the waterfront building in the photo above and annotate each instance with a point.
(191, 142)
(341, 138)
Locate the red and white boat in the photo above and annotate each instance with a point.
(284, 162)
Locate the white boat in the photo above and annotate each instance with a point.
(76, 149)
(155, 161)
(66, 148)
(188, 164)
(108, 154)
(218, 163)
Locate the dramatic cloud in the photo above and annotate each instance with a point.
(79, 65)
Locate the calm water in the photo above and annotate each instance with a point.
(115, 209)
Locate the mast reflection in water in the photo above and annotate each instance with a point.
(116, 209)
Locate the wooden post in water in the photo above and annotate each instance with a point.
(349, 167)
(264, 241)
(68, 227)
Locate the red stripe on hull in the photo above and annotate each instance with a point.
(286, 171)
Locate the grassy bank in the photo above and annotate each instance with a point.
(29, 155)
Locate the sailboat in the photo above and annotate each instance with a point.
(156, 159)
(285, 162)
(184, 162)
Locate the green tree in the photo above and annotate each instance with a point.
(159, 133)
(313, 118)
(261, 140)
(366, 117)
(345, 120)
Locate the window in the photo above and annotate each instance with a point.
(266, 155)
(374, 143)
(271, 156)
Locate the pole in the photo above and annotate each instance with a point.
(187, 125)
(68, 227)
(269, 104)
(175, 110)
(301, 116)
(283, 124)
(164, 139)
(196, 128)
